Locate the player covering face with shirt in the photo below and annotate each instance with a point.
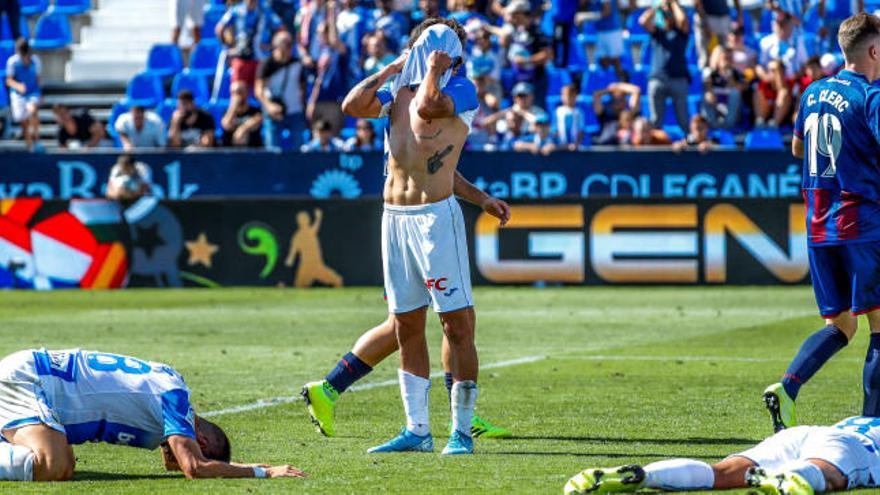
(837, 134)
(424, 250)
(50, 400)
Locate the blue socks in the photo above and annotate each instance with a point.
(871, 378)
(348, 370)
(814, 352)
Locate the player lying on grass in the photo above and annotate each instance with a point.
(375, 345)
(837, 133)
(797, 461)
(50, 400)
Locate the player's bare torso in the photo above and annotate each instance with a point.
(423, 154)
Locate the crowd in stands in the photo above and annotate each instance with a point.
(558, 75)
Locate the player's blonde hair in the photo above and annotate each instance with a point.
(855, 32)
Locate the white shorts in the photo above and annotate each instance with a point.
(841, 448)
(609, 44)
(22, 399)
(425, 257)
(181, 9)
(18, 104)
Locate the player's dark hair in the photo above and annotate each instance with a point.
(185, 95)
(451, 23)
(22, 47)
(855, 31)
(217, 447)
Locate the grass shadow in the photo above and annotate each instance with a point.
(662, 441)
(100, 476)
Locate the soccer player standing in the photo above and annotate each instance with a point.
(424, 250)
(837, 133)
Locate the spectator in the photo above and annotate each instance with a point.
(812, 71)
(668, 26)
(427, 9)
(523, 106)
(722, 91)
(190, 126)
(465, 13)
(698, 137)
(609, 34)
(281, 89)
(782, 44)
(625, 127)
(487, 55)
(394, 24)
(378, 56)
(246, 29)
(77, 129)
(743, 57)
(609, 104)
(322, 138)
(129, 180)
(562, 12)
(570, 121)
(511, 129)
(330, 84)
(772, 102)
(25, 96)
(528, 50)
(482, 135)
(180, 11)
(831, 17)
(242, 121)
(712, 19)
(540, 140)
(139, 128)
(364, 138)
(351, 24)
(645, 134)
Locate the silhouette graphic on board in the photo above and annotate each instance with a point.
(306, 245)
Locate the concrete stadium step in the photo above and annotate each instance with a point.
(114, 55)
(121, 70)
(93, 100)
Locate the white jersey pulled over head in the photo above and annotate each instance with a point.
(93, 396)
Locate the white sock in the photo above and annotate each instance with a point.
(16, 463)
(464, 397)
(679, 474)
(414, 391)
(809, 471)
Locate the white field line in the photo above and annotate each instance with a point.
(277, 401)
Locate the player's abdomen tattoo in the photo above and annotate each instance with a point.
(435, 161)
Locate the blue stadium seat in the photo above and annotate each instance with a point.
(72, 7)
(588, 30)
(7, 49)
(165, 109)
(691, 52)
(557, 79)
(674, 132)
(636, 32)
(6, 31)
(4, 98)
(196, 83)
(347, 132)
(203, 59)
(577, 53)
(221, 97)
(217, 110)
(51, 32)
(764, 139)
(639, 77)
(164, 60)
(748, 25)
(696, 86)
(144, 89)
(812, 21)
(585, 103)
(213, 13)
(119, 108)
(33, 7)
(669, 116)
(553, 101)
(765, 27)
(724, 138)
(598, 79)
(645, 56)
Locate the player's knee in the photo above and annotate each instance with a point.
(457, 328)
(834, 480)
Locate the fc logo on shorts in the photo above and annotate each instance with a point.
(440, 284)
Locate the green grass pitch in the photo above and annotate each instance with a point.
(620, 375)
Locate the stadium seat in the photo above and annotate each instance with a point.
(691, 52)
(724, 138)
(589, 33)
(7, 49)
(203, 59)
(639, 77)
(598, 79)
(6, 31)
(674, 132)
(812, 22)
(748, 25)
(119, 108)
(213, 13)
(51, 32)
(764, 139)
(33, 7)
(196, 83)
(144, 89)
(577, 53)
(635, 31)
(557, 79)
(696, 86)
(585, 103)
(645, 56)
(71, 7)
(221, 94)
(165, 109)
(765, 27)
(164, 60)
(217, 110)
(347, 132)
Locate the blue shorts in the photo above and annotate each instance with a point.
(846, 277)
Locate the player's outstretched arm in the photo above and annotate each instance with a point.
(465, 190)
(361, 101)
(184, 454)
(431, 102)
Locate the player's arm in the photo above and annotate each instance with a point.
(431, 102)
(185, 455)
(465, 190)
(362, 101)
(797, 147)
